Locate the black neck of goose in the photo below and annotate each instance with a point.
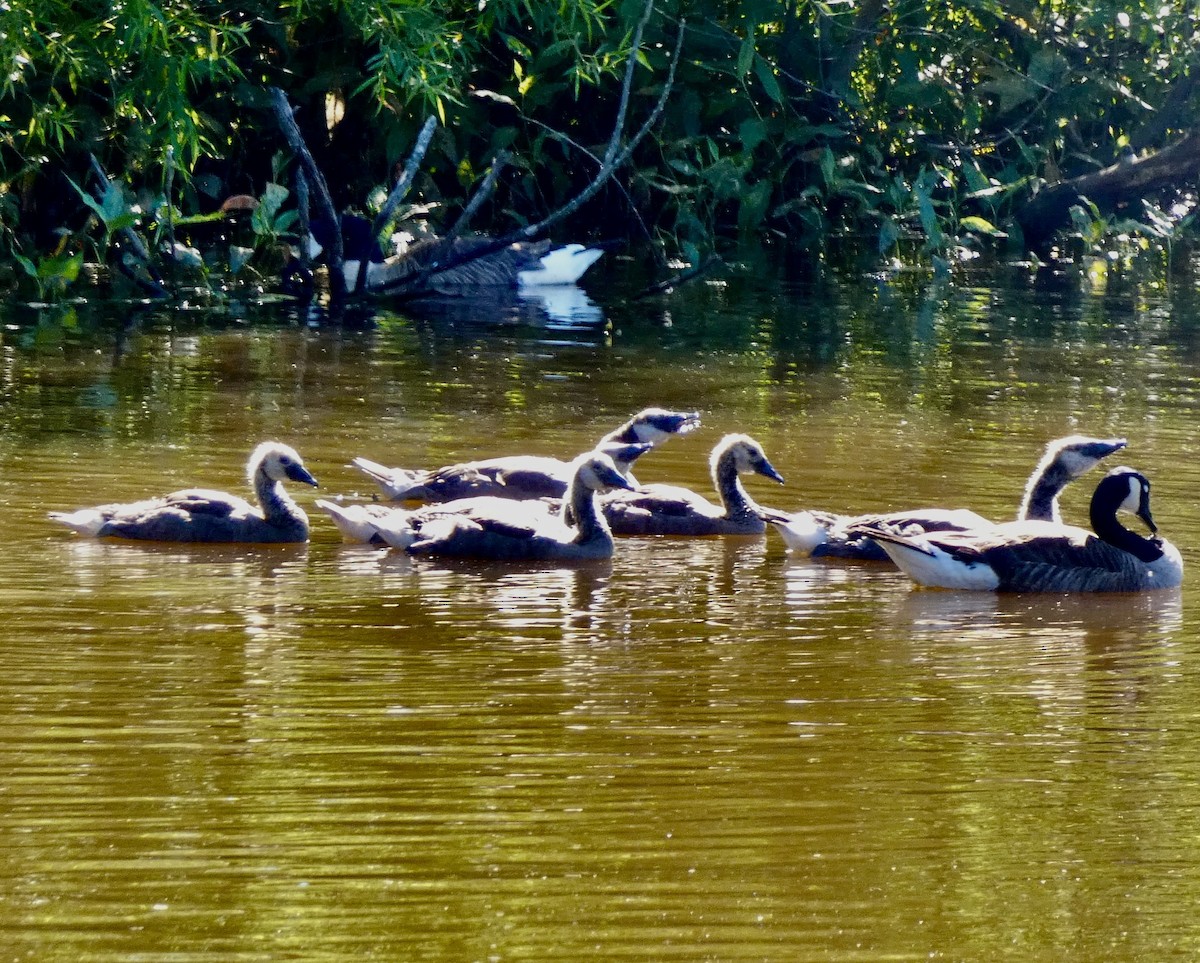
(579, 509)
(729, 487)
(1041, 496)
(1105, 524)
(277, 506)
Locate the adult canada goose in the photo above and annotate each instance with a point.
(1036, 556)
(671, 510)
(204, 515)
(501, 529)
(523, 476)
(524, 264)
(827, 534)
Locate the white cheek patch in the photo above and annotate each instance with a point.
(1076, 463)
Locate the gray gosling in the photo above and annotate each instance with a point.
(518, 476)
(672, 510)
(518, 531)
(204, 515)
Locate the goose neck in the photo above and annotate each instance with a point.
(1105, 525)
(579, 509)
(1041, 494)
(277, 506)
(729, 486)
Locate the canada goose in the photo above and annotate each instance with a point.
(524, 264)
(819, 533)
(671, 510)
(518, 530)
(523, 476)
(203, 515)
(1039, 556)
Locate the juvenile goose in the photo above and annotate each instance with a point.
(820, 533)
(671, 510)
(370, 523)
(1038, 556)
(524, 476)
(509, 530)
(524, 264)
(204, 515)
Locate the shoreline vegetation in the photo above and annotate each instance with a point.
(192, 139)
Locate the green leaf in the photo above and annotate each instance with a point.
(752, 133)
(766, 76)
(979, 225)
(746, 52)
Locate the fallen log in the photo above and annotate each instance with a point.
(1176, 166)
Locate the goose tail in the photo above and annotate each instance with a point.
(351, 520)
(802, 532)
(396, 483)
(562, 265)
(927, 563)
(86, 521)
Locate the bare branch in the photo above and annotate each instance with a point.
(560, 136)
(481, 195)
(710, 263)
(630, 67)
(404, 181)
(485, 191)
(295, 140)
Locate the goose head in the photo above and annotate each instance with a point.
(1078, 454)
(747, 456)
(597, 472)
(1125, 490)
(278, 462)
(652, 425)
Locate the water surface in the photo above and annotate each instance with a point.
(703, 750)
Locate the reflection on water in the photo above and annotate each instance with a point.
(698, 750)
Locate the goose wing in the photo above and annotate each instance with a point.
(206, 501)
(514, 476)
(500, 516)
(664, 500)
(1028, 557)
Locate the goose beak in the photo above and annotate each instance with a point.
(620, 481)
(625, 455)
(683, 422)
(299, 473)
(1143, 510)
(766, 468)
(1104, 448)
(614, 479)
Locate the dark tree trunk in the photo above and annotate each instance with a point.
(1174, 167)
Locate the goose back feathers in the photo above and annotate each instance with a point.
(1041, 556)
(204, 515)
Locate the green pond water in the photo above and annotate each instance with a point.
(703, 750)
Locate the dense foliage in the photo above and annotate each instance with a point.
(918, 124)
